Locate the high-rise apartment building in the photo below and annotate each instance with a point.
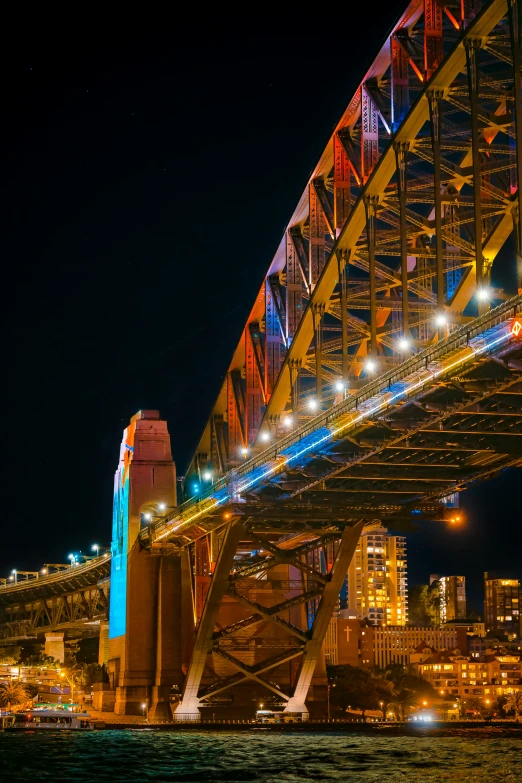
(377, 582)
(452, 591)
(502, 605)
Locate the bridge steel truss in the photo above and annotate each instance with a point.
(409, 206)
(401, 221)
(65, 600)
(387, 257)
(393, 455)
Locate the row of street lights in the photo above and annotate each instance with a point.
(18, 575)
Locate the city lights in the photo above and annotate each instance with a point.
(483, 294)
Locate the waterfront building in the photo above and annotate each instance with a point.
(466, 630)
(377, 579)
(34, 675)
(452, 592)
(502, 605)
(358, 643)
(451, 672)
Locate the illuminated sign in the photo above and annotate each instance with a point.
(516, 329)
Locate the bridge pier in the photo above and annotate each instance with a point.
(144, 657)
(54, 645)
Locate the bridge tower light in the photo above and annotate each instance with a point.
(404, 344)
(441, 319)
(312, 404)
(207, 476)
(287, 422)
(265, 436)
(162, 506)
(370, 366)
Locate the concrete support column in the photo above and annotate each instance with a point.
(168, 641)
(54, 645)
(103, 647)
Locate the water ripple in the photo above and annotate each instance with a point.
(166, 757)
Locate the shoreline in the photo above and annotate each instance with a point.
(391, 729)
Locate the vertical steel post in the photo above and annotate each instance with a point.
(369, 134)
(401, 155)
(317, 316)
(342, 176)
(473, 46)
(342, 265)
(435, 105)
(433, 48)
(371, 204)
(294, 290)
(317, 245)
(515, 21)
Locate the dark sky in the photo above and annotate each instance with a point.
(150, 167)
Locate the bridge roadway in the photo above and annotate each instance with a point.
(69, 599)
(439, 422)
(442, 420)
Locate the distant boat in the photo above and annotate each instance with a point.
(49, 720)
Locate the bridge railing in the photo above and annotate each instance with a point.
(73, 571)
(459, 338)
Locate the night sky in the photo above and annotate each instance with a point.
(150, 167)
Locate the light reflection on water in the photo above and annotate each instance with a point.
(458, 756)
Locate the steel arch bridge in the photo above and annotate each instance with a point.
(379, 372)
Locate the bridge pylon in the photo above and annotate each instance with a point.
(144, 657)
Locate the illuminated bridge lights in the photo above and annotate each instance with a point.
(308, 444)
(516, 328)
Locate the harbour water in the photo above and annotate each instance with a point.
(454, 756)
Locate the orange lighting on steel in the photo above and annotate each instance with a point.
(516, 329)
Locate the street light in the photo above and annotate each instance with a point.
(404, 344)
(287, 422)
(162, 506)
(14, 573)
(144, 707)
(207, 475)
(312, 404)
(96, 548)
(440, 319)
(370, 365)
(381, 703)
(328, 699)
